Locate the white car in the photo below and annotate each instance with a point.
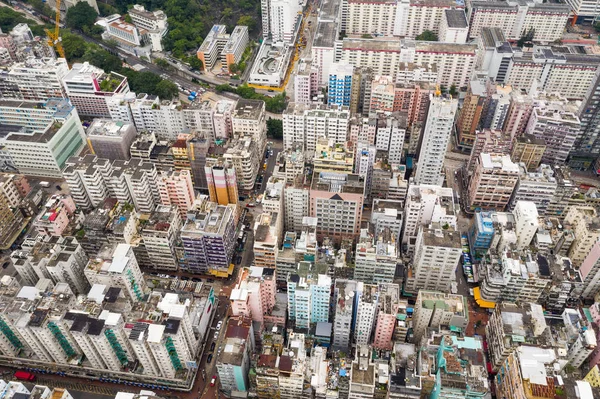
(219, 324)
(216, 336)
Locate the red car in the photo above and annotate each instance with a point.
(213, 381)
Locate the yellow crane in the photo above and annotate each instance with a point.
(54, 39)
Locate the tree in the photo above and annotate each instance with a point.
(453, 92)
(81, 16)
(128, 19)
(195, 63)
(166, 89)
(366, 36)
(248, 21)
(106, 9)
(161, 62)
(275, 128)
(427, 36)
(102, 59)
(275, 104)
(597, 26)
(526, 38)
(74, 46)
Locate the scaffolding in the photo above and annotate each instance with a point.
(114, 343)
(10, 335)
(134, 285)
(62, 340)
(173, 354)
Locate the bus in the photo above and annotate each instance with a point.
(24, 376)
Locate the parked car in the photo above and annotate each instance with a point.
(216, 336)
(212, 346)
(219, 324)
(196, 279)
(209, 358)
(213, 380)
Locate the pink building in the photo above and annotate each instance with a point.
(55, 218)
(414, 100)
(590, 272)
(254, 294)
(176, 188)
(7, 42)
(518, 116)
(336, 200)
(387, 307)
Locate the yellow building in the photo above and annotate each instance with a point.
(332, 157)
(593, 377)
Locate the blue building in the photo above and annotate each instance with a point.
(340, 84)
(481, 234)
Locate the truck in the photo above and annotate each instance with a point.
(45, 184)
(24, 376)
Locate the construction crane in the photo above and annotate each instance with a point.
(54, 39)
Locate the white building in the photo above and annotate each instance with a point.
(160, 234)
(365, 17)
(363, 164)
(428, 313)
(387, 214)
(344, 292)
(249, 120)
(366, 311)
(280, 19)
(376, 257)
(40, 137)
(437, 252)
(454, 62)
(526, 218)
(309, 295)
(426, 205)
(438, 128)
(453, 27)
(35, 79)
(555, 121)
(391, 132)
(88, 88)
(296, 201)
(548, 20)
(306, 123)
(538, 187)
(155, 23)
(414, 17)
(116, 266)
(565, 70)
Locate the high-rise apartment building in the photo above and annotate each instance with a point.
(526, 218)
(88, 88)
(538, 187)
(222, 182)
(389, 295)
(160, 235)
(176, 188)
(437, 252)
(366, 310)
(529, 150)
(438, 128)
(344, 293)
(309, 294)
(555, 121)
(109, 139)
(426, 205)
(471, 112)
(336, 200)
(376, 257)
(40, 136)
(35, 79)
(436, 309)
(493, 182)
(305, 124)
(208, 237)
(117, 266)
(340, 84)
(268, 229)
(546, 20)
